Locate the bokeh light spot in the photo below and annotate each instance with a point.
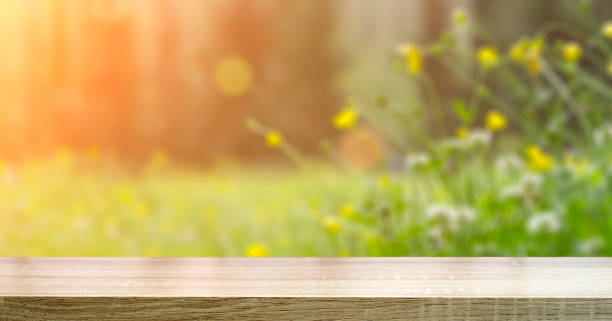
(233, 76)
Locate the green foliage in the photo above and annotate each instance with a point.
(528, 171)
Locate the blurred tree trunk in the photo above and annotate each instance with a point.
(110, 78)
(309, 90)
(299, 92)
(438, 13)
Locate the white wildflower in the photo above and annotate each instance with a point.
(590, 246)
(545, 222)
(512, 192)
(436, 237)
(603, 135)
(417, 160)
(509, 162)
(461, 216)
(528, 186)
(478, 138)
(465, 214)
(486, 249)
(440, 212)
(531, 184)
(451, 217)
(455, 144)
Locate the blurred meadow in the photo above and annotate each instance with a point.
(306, 128)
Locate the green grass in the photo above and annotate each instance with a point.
(72, 206)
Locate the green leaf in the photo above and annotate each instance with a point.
(463, 113)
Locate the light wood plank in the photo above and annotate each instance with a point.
(308, 277)
(306, 288)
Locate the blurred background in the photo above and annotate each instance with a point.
(158, 82)
(130, 76)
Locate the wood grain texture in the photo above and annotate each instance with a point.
(106, 308)
(306, 288)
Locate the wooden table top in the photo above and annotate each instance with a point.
(307, 277)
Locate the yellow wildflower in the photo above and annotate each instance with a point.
(579, 166)
(496, 121)
(414, 58)
(533, 57)
(459, 17)
(274, 139)
(384, 181)
(518, 51)
(346, 118)
(609, 68)
(528, 52)
(534, 47)
(606, 29)
(347, 210)
(538, 160)
(462, 132)
(332, 225)
(257, 250)
(572, 52)
(141, 209)
(534, 66)
(488, 57)
(152, 252)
